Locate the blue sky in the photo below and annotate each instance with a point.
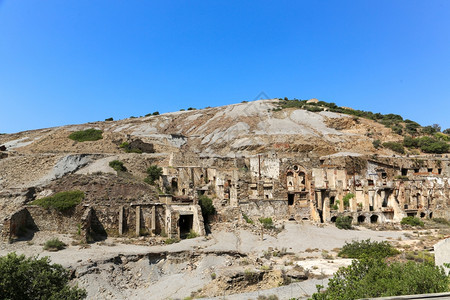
(67, 62)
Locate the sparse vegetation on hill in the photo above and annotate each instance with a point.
(35, 278)
(266, 222)
(394, 146)
(86, 135)
(61, 201)
(433, 141)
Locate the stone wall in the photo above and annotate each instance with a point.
(442, 253)
(14, 224)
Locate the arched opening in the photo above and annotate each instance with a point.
(291, 218)
(333, 219)
(431, 215)
(373, 219)
(305, 219)
(422, 215)
(361, 219)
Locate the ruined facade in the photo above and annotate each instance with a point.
(369, 189)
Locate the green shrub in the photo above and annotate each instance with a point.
(109, 119)
(396, 147)
(376, 144)
(412, 221)
(206, 204)
(344, 223)
(192, 234)
(35, 278)
(61, 201)
(368, 278)
(54, 245)
(266, 222)
(86, 135)
(346, 199)
(247, 219)
(153, 172)
(402, 177)
(367, 248)
(117, 165)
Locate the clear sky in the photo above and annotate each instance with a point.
(76, 61)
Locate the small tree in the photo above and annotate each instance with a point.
(154, 172)
(35, 278)
(207, 207)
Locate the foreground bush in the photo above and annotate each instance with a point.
(35, 278)
(376, 278)
(367, 248)
(86, 135)
(412, 221)
(344, 223)
(61, 201)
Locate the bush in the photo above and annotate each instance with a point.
(117, 165)
(266, 222)
(109, 119)
(154, 172)
(375, 278)
(192, 234)
(344, 223)
(35, 278)
(54, 245)
(412, 221)
(396, 147)
(206, 204)
(376, 144)
(367, 248)
(86, 135)
(61, 201)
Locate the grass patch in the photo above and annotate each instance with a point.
(86, 135)
(54, 245)
(192, 234)
(170, 241)
(61, 201)
(441, 221)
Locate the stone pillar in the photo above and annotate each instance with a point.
(138, 220)
(326, 208)
(121, 220)
(153, 226)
